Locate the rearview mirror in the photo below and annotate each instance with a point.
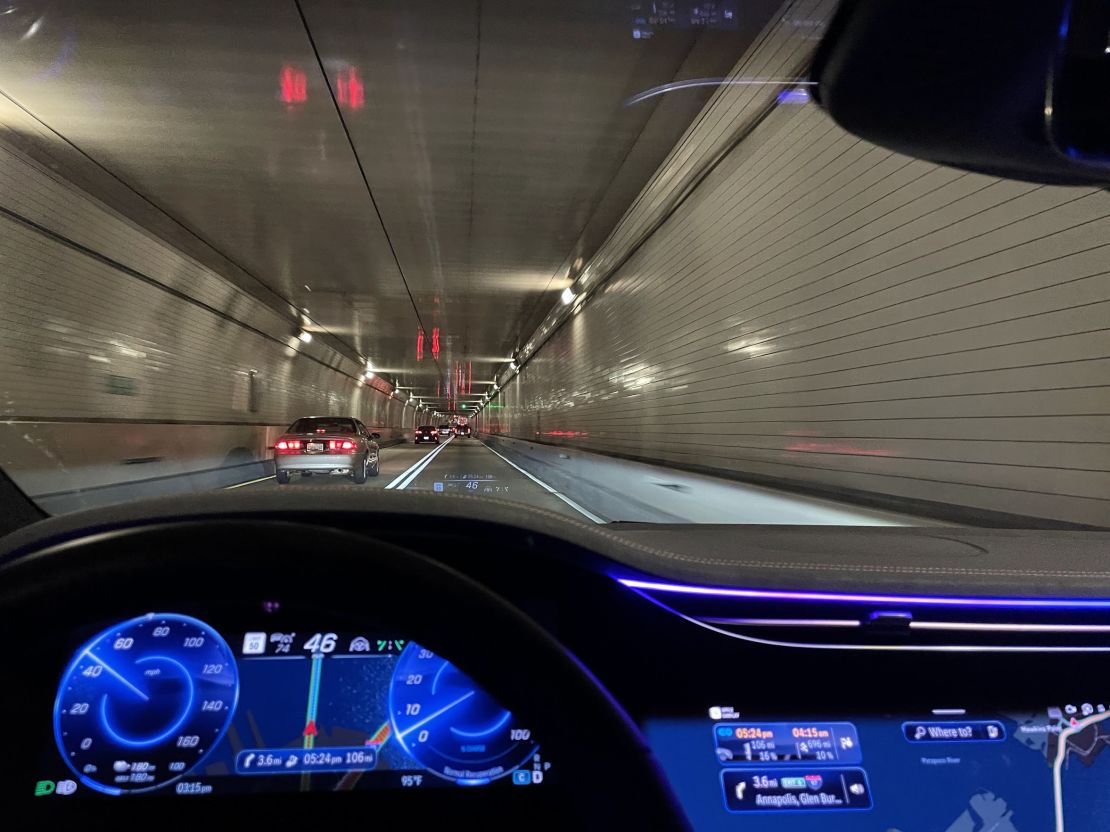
(375, 436)
(1016, 89)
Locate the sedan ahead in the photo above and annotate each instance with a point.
(327, 445)
(426, 433)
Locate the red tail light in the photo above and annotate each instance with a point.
(343, 445)
(288, 446)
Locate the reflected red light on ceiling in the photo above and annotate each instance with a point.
(566, 434)
(293, 84)
(435, 342)
(420, 345)
(349, 89)
(469, 377)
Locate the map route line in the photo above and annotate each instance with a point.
(1061, 756)
(313, 703)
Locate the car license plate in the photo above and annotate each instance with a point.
(314, 447)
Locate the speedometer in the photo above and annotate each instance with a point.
(144, 702)
(448, 724)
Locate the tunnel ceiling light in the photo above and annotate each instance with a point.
(568, 294)
(305, 336)
(368, 375)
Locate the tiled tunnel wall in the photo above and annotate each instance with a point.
(821, 312)
(122, 361)
(818, 312)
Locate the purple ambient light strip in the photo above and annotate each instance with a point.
(862, 598)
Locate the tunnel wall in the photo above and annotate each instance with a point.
(824, 314)
(127, 369)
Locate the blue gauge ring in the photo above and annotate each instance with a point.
(142, 703)
(449, 725)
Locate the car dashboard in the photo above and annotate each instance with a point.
(811, 702)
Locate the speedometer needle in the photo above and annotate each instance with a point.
(440, 712)
(112, 672)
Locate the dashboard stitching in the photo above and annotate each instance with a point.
(905, 569)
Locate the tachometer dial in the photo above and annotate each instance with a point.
(450, 725)
(144, 702)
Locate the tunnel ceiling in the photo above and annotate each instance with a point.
(493, 135)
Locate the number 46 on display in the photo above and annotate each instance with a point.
(321, 643)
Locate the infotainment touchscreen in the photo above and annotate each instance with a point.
(944, 770)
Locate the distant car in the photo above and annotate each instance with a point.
(327, 445)
(462, 430)
(425, 433)
(444, 430)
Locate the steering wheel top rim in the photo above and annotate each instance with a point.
(604, 763)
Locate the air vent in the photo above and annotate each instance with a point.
(887, 622)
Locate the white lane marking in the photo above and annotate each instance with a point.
(248, 482)
(405, 478)
(544, 485)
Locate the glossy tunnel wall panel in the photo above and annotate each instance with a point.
(781, 51)
(826, 313)
(109, 378)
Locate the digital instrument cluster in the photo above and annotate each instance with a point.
(165, 704)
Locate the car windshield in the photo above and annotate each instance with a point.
(614, 249)
(323, 426)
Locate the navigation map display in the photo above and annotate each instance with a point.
(948, 769)
(165, 704)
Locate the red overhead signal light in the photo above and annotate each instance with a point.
(349, 89)
(293, 84)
